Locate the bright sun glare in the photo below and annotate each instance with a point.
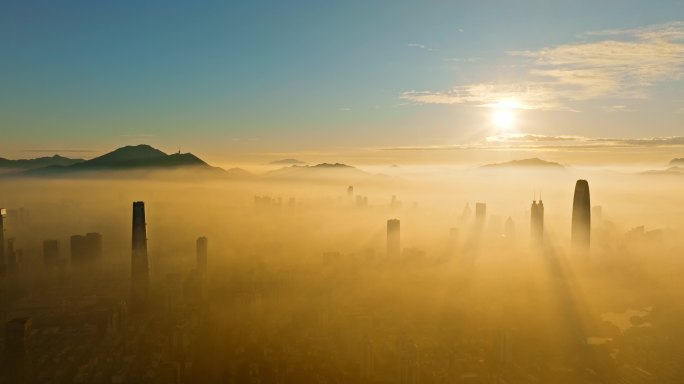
(504, 116)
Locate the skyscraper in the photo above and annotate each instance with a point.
(3, 214)
(537, 221)
(480, 215)
(51, 253)
(139, 260)
(581, 216)
(17, 333)
(393, 239)
(202, 250)
(13, 257)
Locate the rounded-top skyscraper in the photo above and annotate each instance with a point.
(581, 216)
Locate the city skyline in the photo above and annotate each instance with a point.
(339, 192)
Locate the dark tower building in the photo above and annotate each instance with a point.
(13, 256)
(393, 239)
(139, 261)
(202, 248)
(17, 332)
(537, 221)
(51, 253)
(581, 216)
(94, 246)
(79, 250)
(3, 260)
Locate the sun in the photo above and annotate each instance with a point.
(503, 116)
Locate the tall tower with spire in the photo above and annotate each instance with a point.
(393, 239)
(537, 220)
(581, 216)
(3, 256)
(140, 271)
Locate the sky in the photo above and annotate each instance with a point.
(377, 79)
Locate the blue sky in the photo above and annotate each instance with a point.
(274, 76)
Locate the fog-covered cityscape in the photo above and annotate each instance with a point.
(504, 273)
(328, 192)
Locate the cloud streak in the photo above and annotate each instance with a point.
(527, 141)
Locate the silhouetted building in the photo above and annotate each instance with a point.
(480, 215)
(202, 248)
(3, 260)
(79, 250)
(537, 221)
(17, 332)
(14, 256)
(93, 246)
(51, 253)
(393, 239)
(139, 260)
(581, 216)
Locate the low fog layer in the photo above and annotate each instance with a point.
(299, 286)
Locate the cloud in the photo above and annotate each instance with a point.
(623, 65)
(617, 108)
(420, 46)
(526, 96)
(527, 141)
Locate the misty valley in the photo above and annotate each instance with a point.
(135, 271)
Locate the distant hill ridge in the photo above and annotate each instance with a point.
(530, 163)
(322, 170)
(132, 158)
(39, 162)
(677, 161)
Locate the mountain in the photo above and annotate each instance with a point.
(318, 171)
(239, 173)
(134, 158)
(675, 162)
(287, 162)
(526, 163)
(140, 156)
(39, 162)
(673, 171)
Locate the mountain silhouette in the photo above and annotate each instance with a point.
(39, 162)
(526, 163)
(672, 171)
(318, 171)
(678, 161)
(137, 158)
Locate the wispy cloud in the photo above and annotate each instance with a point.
(617, 108)
(527, 96)
(526, 141)
(624, 65)
(420, 46)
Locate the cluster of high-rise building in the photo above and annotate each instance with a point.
(89, 247)
(580, 228)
